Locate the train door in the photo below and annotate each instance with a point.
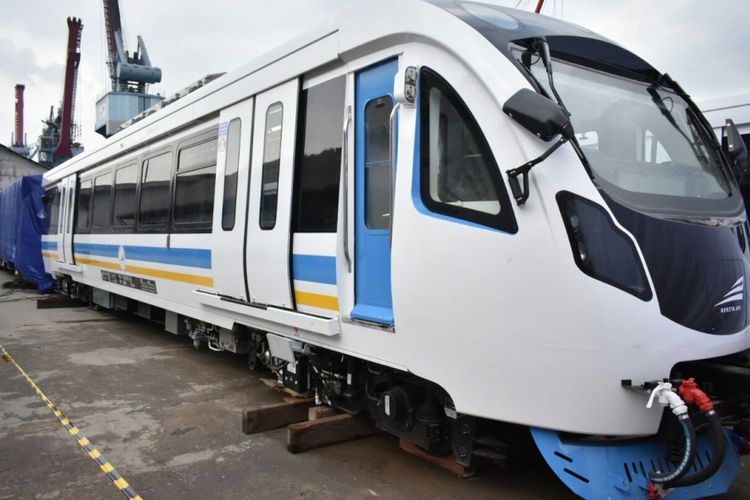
(372, 187)
(230, 205)
(269, 214)
(65, 225)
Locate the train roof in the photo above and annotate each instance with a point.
(378, 23)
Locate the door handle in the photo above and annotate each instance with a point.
(345, 182)
(392, 166)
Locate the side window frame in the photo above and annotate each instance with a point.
(505, 220)
(55, 196)
(191, 227)
(229, 213)
(160, 227)
(102, 229)
(309, 217)
(126, 228)
(87, 228)
(261, 210)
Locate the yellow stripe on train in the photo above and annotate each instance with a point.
(98, 263)
(317, 300)
(50, 255)
(207, 281)
(158, 273)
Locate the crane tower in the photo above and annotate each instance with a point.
(57, 142)
(129, 75)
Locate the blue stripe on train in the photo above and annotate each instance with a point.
(316, 268)
(189, 257)
(49, 245)
(96, 249)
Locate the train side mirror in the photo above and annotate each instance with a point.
(545, 119)
(736, 151)
(539, 115)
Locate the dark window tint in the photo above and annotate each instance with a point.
(102, 207)
(458, 173)
(377, 163)
(319, 160)
(231, 169)
(126, 180)
(83, 205)
(53, 209)
(271, 162)
(194, 186)
(69, 210)
(155, 181)
(194, 196)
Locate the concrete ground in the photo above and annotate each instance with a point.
(168, 418)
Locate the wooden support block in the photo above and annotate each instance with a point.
(278, 386)
(275, 416)
(327, 431)
(57, 301)
(271, 383)
(445, 461)
(318, 412)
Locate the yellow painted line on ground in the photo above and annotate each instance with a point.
(317, 300)
(170, 275)
(84, 443)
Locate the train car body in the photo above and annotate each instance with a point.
(340, 209)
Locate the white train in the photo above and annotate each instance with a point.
(349, 210)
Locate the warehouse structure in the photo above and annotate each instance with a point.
(13, 166)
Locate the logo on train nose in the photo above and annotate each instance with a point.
(735, 294)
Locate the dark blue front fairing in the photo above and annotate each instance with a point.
(699, 272)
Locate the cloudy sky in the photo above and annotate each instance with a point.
(705, 45)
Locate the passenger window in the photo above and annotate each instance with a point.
(102, 206)
(153, 209)
(231, 169)
(458, 173)
(377, 163)
(318, 165)
(61, 212)
(126, 180)
(54, 211)
(271, 163)
(69, 210)
(83, 204)
(194, 186)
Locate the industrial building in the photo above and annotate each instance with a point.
(14, 165)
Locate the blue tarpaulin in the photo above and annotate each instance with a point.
(22, 223)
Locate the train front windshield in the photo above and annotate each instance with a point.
(645, 145)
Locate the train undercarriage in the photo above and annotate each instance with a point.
(420, 411)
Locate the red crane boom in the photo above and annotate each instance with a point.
(63, 150)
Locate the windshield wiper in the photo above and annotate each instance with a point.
(542, 48)
(659, 101)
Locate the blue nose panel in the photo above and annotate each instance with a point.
(618, 470)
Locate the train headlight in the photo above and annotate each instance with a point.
(600, 248)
